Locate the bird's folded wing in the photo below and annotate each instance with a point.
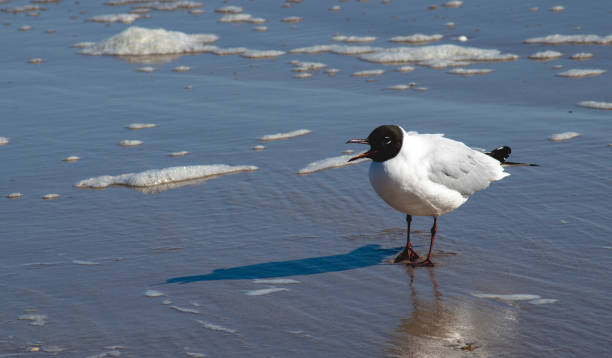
(461, 168)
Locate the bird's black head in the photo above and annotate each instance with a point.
(385, 143)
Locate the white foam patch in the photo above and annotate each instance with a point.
(36, 61)
(179, 154)
(543, 301)
(510, 297)
(138, 41)
(354, 39)
(329, 163)
(14, 195)
(50, 196)
(286, 135)
(233, 18)
(259, 147)
(136, 126)
(261, 28)
(229, 51)
(230, 9)
(417, 38)
(405, 69)
(470, 71)
(178, 5)
(303, 75)
(557, 8)
(122, 18)
(545, 55)
(185, 309)
(293, 19)
(83, 44)
(596, 105)
(560, 137)
(35, 319)
(266, 291)
(558, 39)
(25, 28)
(332, 71)
(256, 54)
(153, 293)
(454, 3)
(437, 56)
(195, 354)
(581, 56)
(335, 8)
(276, 281)
(163, 176)
(337, 49)
(181, 69)
(398, 87)
(580, 73)
(216, 327)
(72, 158)
(23, 8)
(130, 142)
(85, 263)
(368, 73)
(307, 66)
(146, 69)
(4, 141)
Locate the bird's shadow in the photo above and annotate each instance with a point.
(368, 255)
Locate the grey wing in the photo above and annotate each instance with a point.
(460, 168)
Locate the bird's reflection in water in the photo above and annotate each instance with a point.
(444, 327)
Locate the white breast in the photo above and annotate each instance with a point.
(432, 175)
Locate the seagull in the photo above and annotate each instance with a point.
(428, 175)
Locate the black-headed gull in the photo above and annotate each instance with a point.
(427, 175)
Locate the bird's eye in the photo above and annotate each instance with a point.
(388, 140)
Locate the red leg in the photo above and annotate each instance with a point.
(428, 261)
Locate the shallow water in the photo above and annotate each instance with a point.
(87, 259)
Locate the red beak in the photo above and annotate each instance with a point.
(364, 154)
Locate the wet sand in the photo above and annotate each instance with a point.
(272, 263)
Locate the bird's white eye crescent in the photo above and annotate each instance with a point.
(388, 140)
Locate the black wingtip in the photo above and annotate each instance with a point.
(501, 153)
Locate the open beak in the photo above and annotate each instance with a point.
(364, 154)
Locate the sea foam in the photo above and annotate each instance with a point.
(138, 41)
(595, 105)
(122, 18)
(470, 71)
(437, 56)
(416, 38)
(216, 327)
(545, 55)
(329, 163)
(558, 39)
(163, 176)
(230, 9)
(353, 39)
(561, 137)
(266, 291)
(509, 297)
(286, 135)
(580, 73)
